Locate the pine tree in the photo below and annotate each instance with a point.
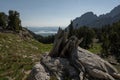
(87, 34)
(105, 45)
(71, 29)
(3, 20)
(14, 22)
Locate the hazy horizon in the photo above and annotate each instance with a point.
(48, 13)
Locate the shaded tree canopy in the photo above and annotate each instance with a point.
(11, 21)
(84, 32)
(14, 22)
(3, 20)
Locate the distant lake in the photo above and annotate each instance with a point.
(44, 31)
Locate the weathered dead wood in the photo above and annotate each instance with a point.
(59, 43)
(62, 46)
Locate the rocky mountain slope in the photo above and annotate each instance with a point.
(92, 20)
(18, 53)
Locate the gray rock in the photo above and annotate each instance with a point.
(39, 73)
(59, 67)
(93, 65)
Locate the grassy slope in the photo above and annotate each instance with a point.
(17, 56)
(96, 48)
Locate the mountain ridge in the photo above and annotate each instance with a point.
(92, 20)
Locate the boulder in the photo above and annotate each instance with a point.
(39, 73)
(58, 67)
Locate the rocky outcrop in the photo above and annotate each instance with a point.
(25, 34)
(68, 61)
(39, 73)
(61, 68)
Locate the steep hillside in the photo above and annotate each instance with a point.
(18, 54)
(90, 19)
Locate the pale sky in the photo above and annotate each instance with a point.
(40, 13)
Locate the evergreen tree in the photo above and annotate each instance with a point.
(71, 29)
(105, 45)
(115, 40)
(3, 20)
(87, 34)
(14, 22)
(111, 40)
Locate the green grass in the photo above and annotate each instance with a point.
(96, 48)
(17, 55)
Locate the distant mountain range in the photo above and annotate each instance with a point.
(92, 20)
